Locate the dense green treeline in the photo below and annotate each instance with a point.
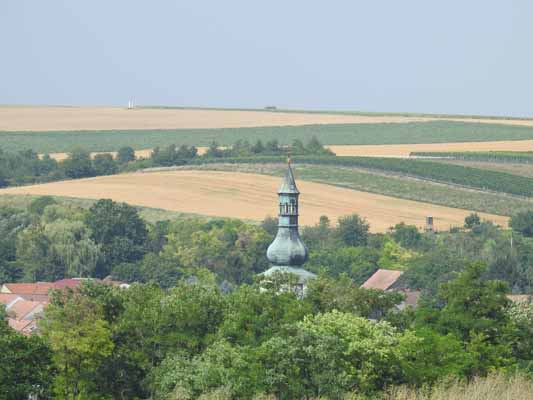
(50, 241)
(520, 157)
(27, 167)
(260, 341)
(332, 134)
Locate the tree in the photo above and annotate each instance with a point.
(326, 294)
(270, 225)
(258, 147)
(522, 222)
(235, 251)
(315, 147)
(38, 205)
(222, 372)
(406, 235)
(33, 252)
(78, 164)
(472, 220)
(475, 311)
(119, 230)
(333, 353)
(80, 339)
(26, 364)
(103, 164)
(359, 263)
(352, 230)
(125, 155)
(319, 236)
(254, 314)
(72, 247)
(297, 147)
(272, 147)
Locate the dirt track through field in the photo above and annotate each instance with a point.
(403, 150)
(248, 196)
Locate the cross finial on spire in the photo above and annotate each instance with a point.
(289, 158)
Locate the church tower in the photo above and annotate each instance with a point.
(287, 253)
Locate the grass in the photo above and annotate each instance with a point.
(394, 186)
(494, 387)
(355, 134)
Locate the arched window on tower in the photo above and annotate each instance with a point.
(293, 207)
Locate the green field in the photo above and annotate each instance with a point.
(510, 168)
(517, 157)
(394, 186)
(475, 178)
(360, 134)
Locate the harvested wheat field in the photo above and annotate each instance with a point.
(48, 118)
(108, 118)
(248, 196)
(403, 150)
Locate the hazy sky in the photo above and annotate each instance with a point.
(469, 56)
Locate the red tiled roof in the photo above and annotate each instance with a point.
(21, 309)
(6, 298)
(18, 324)
(24, 326)
(71, 283)
(382, 279)
(39, 288)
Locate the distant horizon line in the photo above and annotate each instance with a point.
(274, 109)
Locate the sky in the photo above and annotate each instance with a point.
(465, 57)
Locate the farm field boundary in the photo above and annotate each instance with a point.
(394, 186)
(486, 180)
(248, 196)
(414, 149)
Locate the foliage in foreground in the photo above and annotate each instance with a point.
(195, 340)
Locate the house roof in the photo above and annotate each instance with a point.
(23, 308)
(7, 298)
(71, 283)
(23, 325)
(39, 288)
(382, 279)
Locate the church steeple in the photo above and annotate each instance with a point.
(287, 249)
